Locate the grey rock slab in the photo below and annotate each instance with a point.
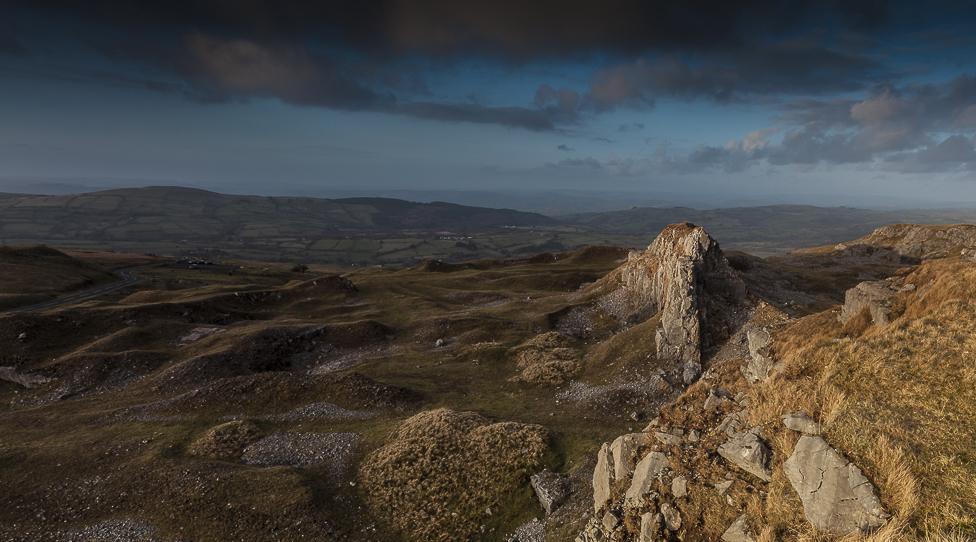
(748, 452)
(836, 496)
(760, 358)
(624, 451)
(647, 470)
(739, 531)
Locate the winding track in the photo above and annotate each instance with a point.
(126, 276)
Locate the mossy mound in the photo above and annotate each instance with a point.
(441, 471)
(226, 441)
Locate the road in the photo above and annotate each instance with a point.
(127, 277)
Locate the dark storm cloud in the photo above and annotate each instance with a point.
(357, 55)
(513, 28)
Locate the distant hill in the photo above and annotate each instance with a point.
(776, 227)
(159, 213)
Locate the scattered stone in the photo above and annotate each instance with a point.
(760, 358)
(875, 296)
(800, 422)
(716, 398)
(694, 436)
(732, 423)
(552, 489)
(610, 521)
(648, 468)
(650, 526)
(722, 487)
(739, 531)
(624, 451)
(22, 336)
(679, 487)
(602, 477)
(672, 517)
(836, 496)
(748, 452)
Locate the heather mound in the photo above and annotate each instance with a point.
(442, 472)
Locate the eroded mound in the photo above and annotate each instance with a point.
(441, 472)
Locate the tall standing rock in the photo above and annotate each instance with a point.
(684, 276)
(836, 496)
(603, 477)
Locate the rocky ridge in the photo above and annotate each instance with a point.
(645, 484)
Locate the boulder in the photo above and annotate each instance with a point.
(602, 477)
(647, 469)
(836, 496)
(760, 358)
(624, 452)
(873, 296)
(748, 452)
(739, 531)
(552, 489)
(801, 423)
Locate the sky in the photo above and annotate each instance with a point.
(697, 103)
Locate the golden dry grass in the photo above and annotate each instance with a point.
(899, 400)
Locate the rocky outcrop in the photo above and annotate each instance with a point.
(873, 296)
(919, 241)
(760, 360)
(836, 496)
(683, 276)
(748, 452)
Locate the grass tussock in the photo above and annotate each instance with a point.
(445, 475)
(898, 400)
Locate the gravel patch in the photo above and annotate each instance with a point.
(533, 531)
(321, 410)
(113, 530)
(331, 450)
